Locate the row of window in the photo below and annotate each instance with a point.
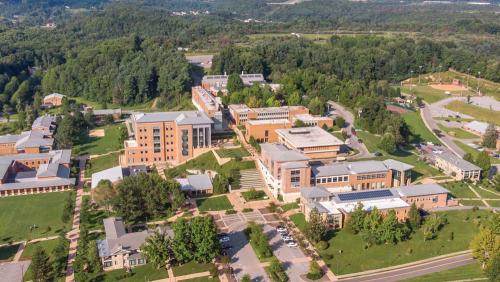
(332, 179)
(371, 176)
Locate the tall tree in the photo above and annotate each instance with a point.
(157, 249)
(93, 260)
(204, 238)
(315, 229)
(485, 246)
(414, 218)
(41, 267)
(490, 137)
(234, 83)
(355, 221)
(182, 245)
(484, 162)
(388, 143)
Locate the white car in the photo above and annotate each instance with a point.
(281, 229)
(291, 243)
(287, 238)
(224, 239)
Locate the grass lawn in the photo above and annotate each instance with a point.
(219, 203)
(289, 206)
(457, 132)
(102, 163)
(233, 153)
(495, 204)
(419, 131)
(470, 271)
(8, 252)
(484, 114)
(100, 145)
(370, 140)
(474, 152)
(257, 195)
(8, 128)
(429, 94)
(472, 203)
(139, 274)
(28, 252)
(354, 257)
(454, 119)
(21, 212)
(203, 279)
(208, 161)
(300, 221)
(459, 190)
(190, 268)
(486, 193)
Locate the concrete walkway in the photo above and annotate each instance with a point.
(19, 252)
(74, 234)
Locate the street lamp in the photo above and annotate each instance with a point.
(419, 73)
(468, 75)
(440, 73)
(478, 77)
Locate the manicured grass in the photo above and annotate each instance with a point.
(459, 189)
(203, 279)
(47, 246)
(100, 145)
(473, 151)
(289, 206)
(370, 140)
(419, 131)
(141, 273)
(21, 212)
(190, 268)
(457, 132)
(8, 252)
(300, 221)
(484, 114)
(233, 153)
(495, 204)
(486, 193)
(429, 94)
(257, 195)
(346, 253)
(472, 203)
(207, 161)
(102, 163)
(470, 271)
(454, 119)
(219, 203)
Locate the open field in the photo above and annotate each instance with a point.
(141, 273)
(354, 257)
(420, 132)
(474, 152)
(459, 189)
(190, 268)
(457, 132)
(19, 213)
(480, 113)
(472, 203)
(218, 203)
(94, 145)
(462, 273)
(102, 163)
(233, 153)
(300, 221)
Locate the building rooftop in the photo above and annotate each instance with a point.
(356, 196)
(308, 137)
(116, 173)
(367, 166)
(54, 95)
(314, 192)
(117, 240)
(310, 118)
(196, 182)
(268, 121)
(336, 169)
(248, 79)
(369, 205)
(421, 190)
(208, 99)
(280, 153)
(397, 165)
(44, 122)
(30, 139)
(181, 118)
(106, 112)
(456, 161)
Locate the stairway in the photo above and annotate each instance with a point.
(250, 178)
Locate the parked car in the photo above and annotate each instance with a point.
(377, 154)
(287, 238)
(224, 239)
(291, 243)
(281, 229)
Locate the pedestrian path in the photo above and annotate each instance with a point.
(250, 178)
(19, 252)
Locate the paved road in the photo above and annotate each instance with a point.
(243, 259)
(353, 140)
(293, 259)
(415, 271)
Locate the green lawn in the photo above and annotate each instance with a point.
(470, 271)
(203, 279)
(479, 113)
(8, 252)
(300, 221)
(454, 119)
(486, 193)
(370, 140)
(8, 128)
(419, 131)
(190, 268)
(233, 153)
(473, 151)
(355, 258)
(495, 204)
(472, 203)
(21, 212)
(429, 94)
(289, 206)
(457, 132)
(218, 203)
(28, 252)
(100, 145)
(258, 195)
(102, 163)
(459, 189)
(139, 274)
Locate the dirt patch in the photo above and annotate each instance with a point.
(264, 211)
(448, 87)
(396, 109)
(97, 133)
(271, 217)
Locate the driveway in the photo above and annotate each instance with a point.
(353, 140)
(243, 259)
(294, 261)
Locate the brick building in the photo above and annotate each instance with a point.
(265, 130)
(53, 100)
(314, 142)
(216, 83)
(240, 113)
(206, 102)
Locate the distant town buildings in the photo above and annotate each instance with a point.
(218, 83)
(171, 137)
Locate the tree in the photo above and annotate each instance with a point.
(315, 229)
(483, 161)
(204, 239)
(391, 231)
(355, 221)
(157, 249)
(6, 112)
(490, 137)
(293, 99)
(468, 157)
(60, 253)
(104, 194)
(220, 184)
(315, 271)
(340, 122)
(388, 143)
(316, 106)
(41, 267)
(182, 245)
(246, 278)
(485, 246)
(234, 83)
(299, 123)
(492, 271)
(93, 260)
(414, 218)
(433, 223)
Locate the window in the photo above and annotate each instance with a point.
(140, 261)
(108, 263)
(295, 177)
(132, 262)
(185, 142)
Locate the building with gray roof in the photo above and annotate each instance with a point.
(197, 184)
(456, 167)
(116, 174)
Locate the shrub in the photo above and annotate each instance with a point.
(315, 271)
(247, 210)
(230, 211)
(214, 272)
(322, 245)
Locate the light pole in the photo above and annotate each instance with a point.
(468, 75)
(478, 77)
(419, 73)
(411, 84)
(440, 73)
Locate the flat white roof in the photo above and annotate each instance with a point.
(309, 117)
(308, 137)
(369, 205)
(268, 121)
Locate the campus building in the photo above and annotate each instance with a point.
(216, 83)
(240, 113)
(24, 174)
(172, 137)
(310, 120)
(286, 171)
(116, 174)
(313, 142)
(264, 131)
(335, 208)
(37, 140)
(204, 101)
(120, 250)
(53, 100)
(456, 167)
(197, 184)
